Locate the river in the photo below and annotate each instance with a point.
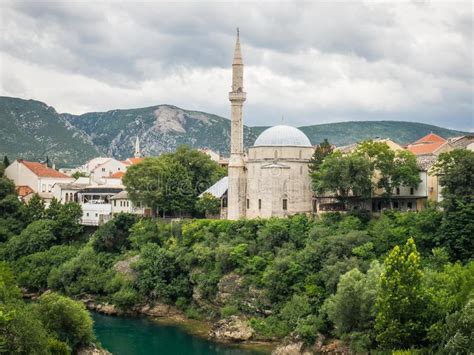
(140, 336)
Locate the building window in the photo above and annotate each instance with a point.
(43, 188)
(395, 204)
(49, 188)
(224, 202)
(409, 205)
(139, 204)
(96, 215)
(398, 191)
(103, 170)
(87, 214)
(300, 154)
(412, 190)
(285, 204)
(301, 170)
(259, 204)
(248, 203)
(115, 203)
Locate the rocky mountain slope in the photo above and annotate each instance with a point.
(32, 130)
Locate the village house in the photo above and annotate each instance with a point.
(32, 177)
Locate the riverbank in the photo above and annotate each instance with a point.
(166, 315)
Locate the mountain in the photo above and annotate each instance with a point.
(32, 130)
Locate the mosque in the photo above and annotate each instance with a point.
(272, 179)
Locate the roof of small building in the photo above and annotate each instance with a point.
(218, 189)
(282, 136)
(122, 195)
(117, 175)
(133, 161)
(427, 144)
(425, 162)
(40, 169)
(24, 190)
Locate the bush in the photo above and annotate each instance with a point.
(67, 319)
(229, 310)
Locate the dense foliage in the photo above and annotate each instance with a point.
(393, 281)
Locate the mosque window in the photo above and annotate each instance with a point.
(285, 204)
(248, 203)
(259, 204)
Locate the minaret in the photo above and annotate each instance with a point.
(137, 153)
(237, 179)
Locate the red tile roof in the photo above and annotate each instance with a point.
(135, 160)
(427, 144)
(24, 190)
(117, 175)
(40, 169)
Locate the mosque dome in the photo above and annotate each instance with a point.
(282, 136)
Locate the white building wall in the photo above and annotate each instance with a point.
(94, 214)
(21, 175)
(125, 206)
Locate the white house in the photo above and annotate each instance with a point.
(36, 176)
(121, 203)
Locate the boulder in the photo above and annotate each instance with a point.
(229, 285)
(232, 329)
(289, 349)
(124, 267)
(92, 350)
(159, 310)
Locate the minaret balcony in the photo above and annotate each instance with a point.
(237, 96)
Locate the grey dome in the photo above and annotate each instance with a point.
(282, 136)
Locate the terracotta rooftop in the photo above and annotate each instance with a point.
(117, 175)
(427, 144)
(133, 161)
(24, 190)
(40, 169)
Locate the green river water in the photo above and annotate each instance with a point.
(140, 336)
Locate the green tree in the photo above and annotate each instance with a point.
(53, 210)
(208, 205)
(322, 151)
(112, 237)
(38, 236)
(162, 183)
(35, 209)
(68, 221)
(67, 319)
(456, 175)
(7, 187)
(391, 168)
(78, 174)
(6, 161)
(401, 302)
(343, 175)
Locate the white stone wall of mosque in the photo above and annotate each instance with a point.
(276, 174)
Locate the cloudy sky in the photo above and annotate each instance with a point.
(310, 62)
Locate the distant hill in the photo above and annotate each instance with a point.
(32, 130)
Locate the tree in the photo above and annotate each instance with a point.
(6, 161)
(208, 205)
(352, 307)
(68, 221)
(112, 237)
(343, 175)
(322, 151)
(7, 187)
(35, 209)
(76, 175)
(53, 210)
(456, 175)
(161, 183)
(67, 319)
(38, 236)
(392, 169)
(401, 302)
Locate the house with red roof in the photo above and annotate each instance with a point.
(429, 144)
(33, 177)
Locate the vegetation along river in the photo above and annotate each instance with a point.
(140, 336)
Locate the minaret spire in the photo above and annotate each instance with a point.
(137, 153)
(237, 179)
